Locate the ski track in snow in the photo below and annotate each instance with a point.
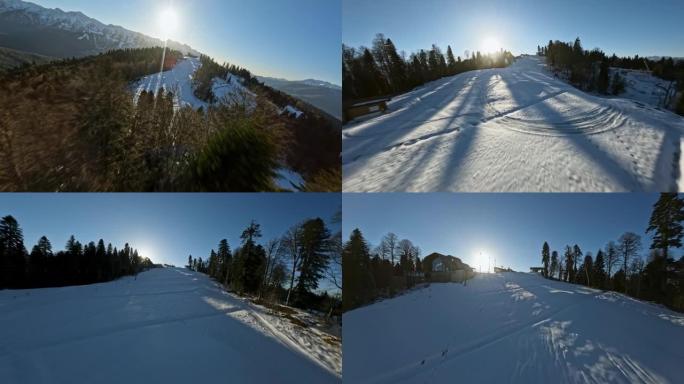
(166, 325)
(512, 129)
(512, 328)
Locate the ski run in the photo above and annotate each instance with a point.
(512, 328)
(168, 325)
(518, 129)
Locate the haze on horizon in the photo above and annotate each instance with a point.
(164, 227)
(507, 227)
(295, 40)
(625, 28)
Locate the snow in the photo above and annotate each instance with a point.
(512, 129)
(105, 36)
(292, 111)
(289, 179)
(512, 328)
(167, 325)
(179, 81)
(644, 87)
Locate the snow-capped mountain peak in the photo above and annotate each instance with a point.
(93, 36)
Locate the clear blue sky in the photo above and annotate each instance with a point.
(165, 227)
(293, 39)
(508, 227)
(625, 27)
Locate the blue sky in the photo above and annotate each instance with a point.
(626, 27)
(293, 39)
(165, 227)
(508, 227)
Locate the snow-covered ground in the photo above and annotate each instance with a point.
(512, 129)
(169, 325)
(644, 87)
(512, 328)
(179, 81)
(289, 179)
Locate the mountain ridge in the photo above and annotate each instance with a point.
(53, 32)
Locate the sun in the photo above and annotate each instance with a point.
(168, 22)
(490, 45)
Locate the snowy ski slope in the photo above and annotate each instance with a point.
(513, 328)
(179, 81)
(168, 326)
(512, 129)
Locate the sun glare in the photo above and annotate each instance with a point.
(168, 22)
(490, 45)
(482, 262)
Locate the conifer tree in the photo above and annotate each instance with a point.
(357, 280)
(569, 263)
(545, 259)
(554, 264)
(599, 273)
(665, 223)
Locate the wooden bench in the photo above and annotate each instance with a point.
(365, 107)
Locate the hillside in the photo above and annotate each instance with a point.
(99, 123)
(31, 28)
(320, 94)
(179, 80)
(10, 58)
(169, 325)
(512, 328)
(512, 129)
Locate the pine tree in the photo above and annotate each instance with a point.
(252, 258)
(569, 262)
(12, 253)
(315, 239)
(224, 261)
(665, 223)
(451, 62)
(554, 264)
(545, 259)
(598, 273)
(576, 257)
(357, 280)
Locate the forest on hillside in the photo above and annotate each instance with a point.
(73, 125)
(381, 70)
(79, 263)
(371, 273)
(285, 270)
(620, 266)
(589, 70)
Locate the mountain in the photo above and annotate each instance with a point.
(321, 94)
(512, 328)
(28, 27)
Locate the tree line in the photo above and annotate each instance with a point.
(382, 70)
(74, 125)
(287, 270)
(590, 69)
(383, 271)
(75, 265)
(620, 266)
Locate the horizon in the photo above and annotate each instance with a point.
(508, 228)
(212, 28)
(165, 228)
(517, 26)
